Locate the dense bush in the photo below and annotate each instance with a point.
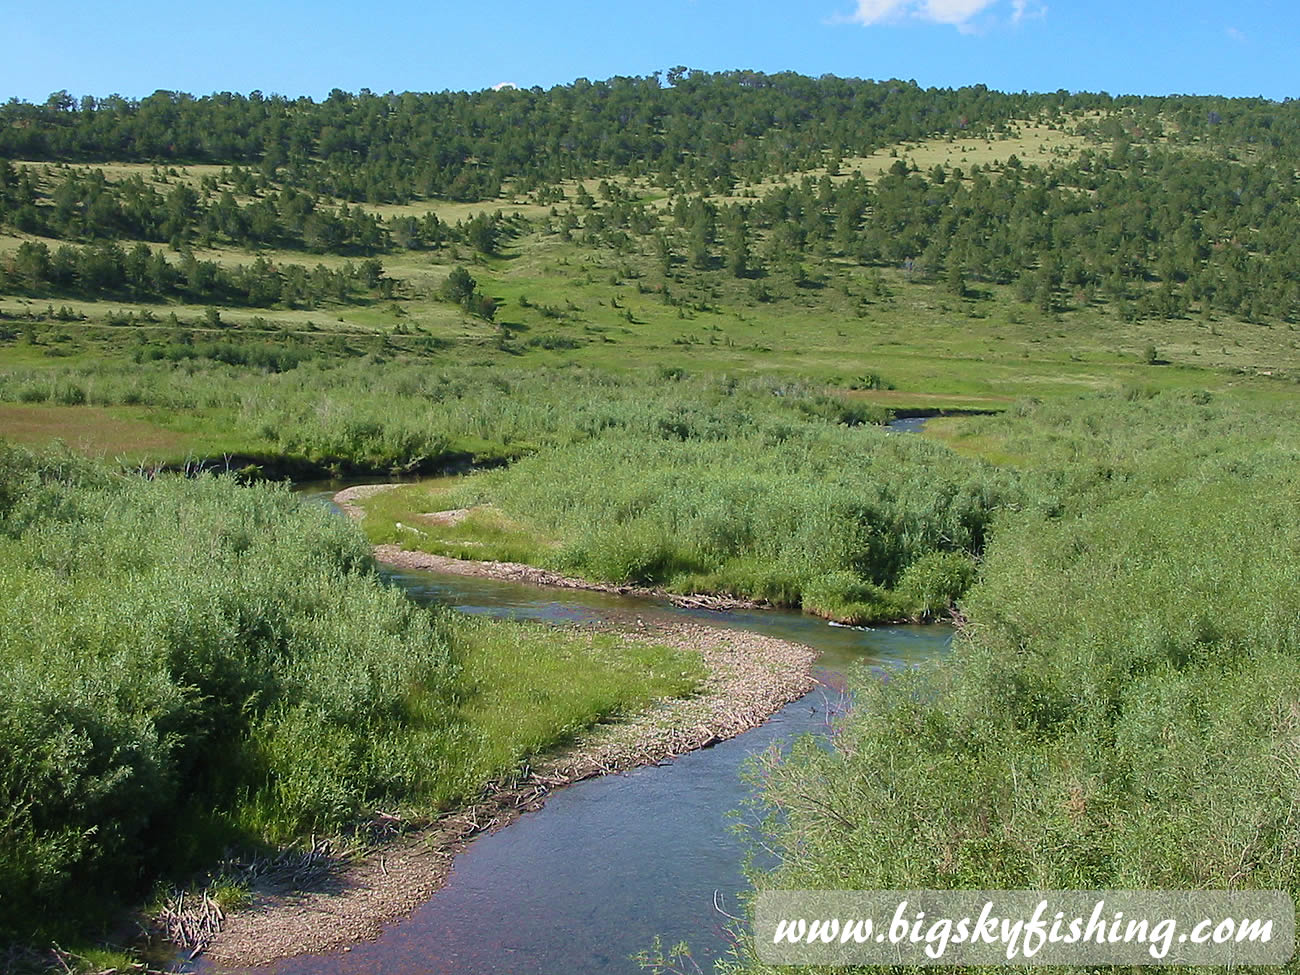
(841, 595)
(828, 516)
(934, 582)
(187, 663)
(167, 646)
(1121, 711)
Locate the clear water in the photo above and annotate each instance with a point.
(910, 424)
(608, 864)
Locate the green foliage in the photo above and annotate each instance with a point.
(1184, 225)
(1120, 712)
(630, 552)
(459, 286)
(151, 634)
(186, 662)
(934, 582)
(183, 664)
(390, 148)
(461, 289)
(106, 269)
(843, 596)
(814, 513)
(349, 414)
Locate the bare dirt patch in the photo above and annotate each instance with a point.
(448, 518)
(347, 498)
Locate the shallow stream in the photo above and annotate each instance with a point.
(608, 864)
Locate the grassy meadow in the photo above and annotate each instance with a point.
(673, 372)
(567, 295)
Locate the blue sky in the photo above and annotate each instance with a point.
(293, 48)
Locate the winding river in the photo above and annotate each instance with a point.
(610, 863)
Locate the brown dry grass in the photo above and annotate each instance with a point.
(92, 430)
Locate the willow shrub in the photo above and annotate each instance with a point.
(187, 663)
(173, 646)
(1123, 712)
(836, 518)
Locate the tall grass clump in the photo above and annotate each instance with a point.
(1087, 447)
(1121, 712)
(170, 648)
(835, 519)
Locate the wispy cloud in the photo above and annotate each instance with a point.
(951, 11)
(1022, 10)
(956, 13)
(1236, 35)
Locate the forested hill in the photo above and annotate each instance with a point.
(700, 131)
(623, 217)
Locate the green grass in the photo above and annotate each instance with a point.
(968, 439)
(191, 664)
(481, 533)
(845, 521)
(131, 437)
(524, 695)
(930, 359)
(576, 302)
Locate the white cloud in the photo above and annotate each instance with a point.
(504, 84)
(956, 13)
(1236, 35)
(951, 11)
(1024, 10)
(877, 11)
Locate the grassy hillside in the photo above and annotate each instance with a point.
(799, 272)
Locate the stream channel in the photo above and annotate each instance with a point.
(586, 882)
